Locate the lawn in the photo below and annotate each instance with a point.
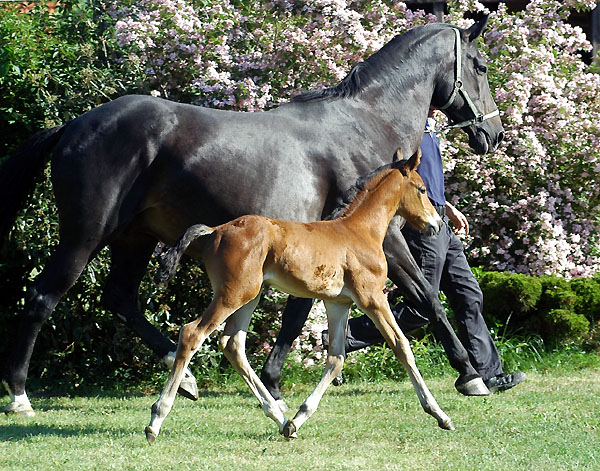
(552, 421)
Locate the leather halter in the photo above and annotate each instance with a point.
(458, 88)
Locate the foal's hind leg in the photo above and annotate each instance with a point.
(59, 274)
(337, 317)
(191, 338)
(377, 308)
(233, 344)
(129, 259)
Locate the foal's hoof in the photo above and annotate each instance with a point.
(188, 387)
(150, 435)
(472, 387)
(19, 409)
(446, 424)
(289, 430)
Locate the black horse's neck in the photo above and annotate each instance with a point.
(395, 85)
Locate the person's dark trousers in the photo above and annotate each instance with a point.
(444, 265)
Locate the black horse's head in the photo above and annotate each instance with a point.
(463, 94)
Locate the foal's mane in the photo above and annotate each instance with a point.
(352, 197)
(363, 73)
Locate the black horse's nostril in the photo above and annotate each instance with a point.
(500, 137)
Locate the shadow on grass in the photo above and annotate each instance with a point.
(23, 432)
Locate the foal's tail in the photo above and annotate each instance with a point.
(170, 259)
(20, 172)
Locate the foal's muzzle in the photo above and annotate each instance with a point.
(434, 226)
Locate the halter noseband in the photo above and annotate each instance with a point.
(458, 88)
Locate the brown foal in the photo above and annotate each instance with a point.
(340, 261)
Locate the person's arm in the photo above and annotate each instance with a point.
(457, 218)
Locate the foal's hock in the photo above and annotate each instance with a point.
(340, 261)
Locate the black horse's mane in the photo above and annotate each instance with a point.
(356, 191)
(362, 73)
(358, 77)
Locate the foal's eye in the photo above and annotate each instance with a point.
(422, 190)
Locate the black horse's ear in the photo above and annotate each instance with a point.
(475, 30)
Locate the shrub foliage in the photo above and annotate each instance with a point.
(549, 306)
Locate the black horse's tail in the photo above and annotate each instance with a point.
(20, 172)
(170, 259)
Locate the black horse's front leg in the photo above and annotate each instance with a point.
(406, 274)
(294, 316)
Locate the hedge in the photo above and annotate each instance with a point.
(549, 306)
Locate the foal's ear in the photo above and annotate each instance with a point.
(410, 165)
(415, 160)
(473, 32)
(397, 155)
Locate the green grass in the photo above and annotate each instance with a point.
(552, 421)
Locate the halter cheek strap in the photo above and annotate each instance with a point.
(479, 117)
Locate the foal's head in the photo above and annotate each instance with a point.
(414, 205)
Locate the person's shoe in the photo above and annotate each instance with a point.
(339, 379)
(503, 381)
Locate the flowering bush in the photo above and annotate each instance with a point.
(251, 55)
(534, 203)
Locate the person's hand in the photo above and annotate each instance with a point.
(458, 219)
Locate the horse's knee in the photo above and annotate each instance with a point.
(223, 343)
(188, 336)
(122, 303)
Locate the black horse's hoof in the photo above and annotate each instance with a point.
(188, 388)
(473, 386)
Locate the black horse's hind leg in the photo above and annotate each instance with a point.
(129, 259)
(294, 316)
(59, 274)
(405, 273)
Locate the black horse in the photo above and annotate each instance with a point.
(139, 170)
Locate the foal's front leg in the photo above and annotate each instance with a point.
(379, 311)
(337, 317)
